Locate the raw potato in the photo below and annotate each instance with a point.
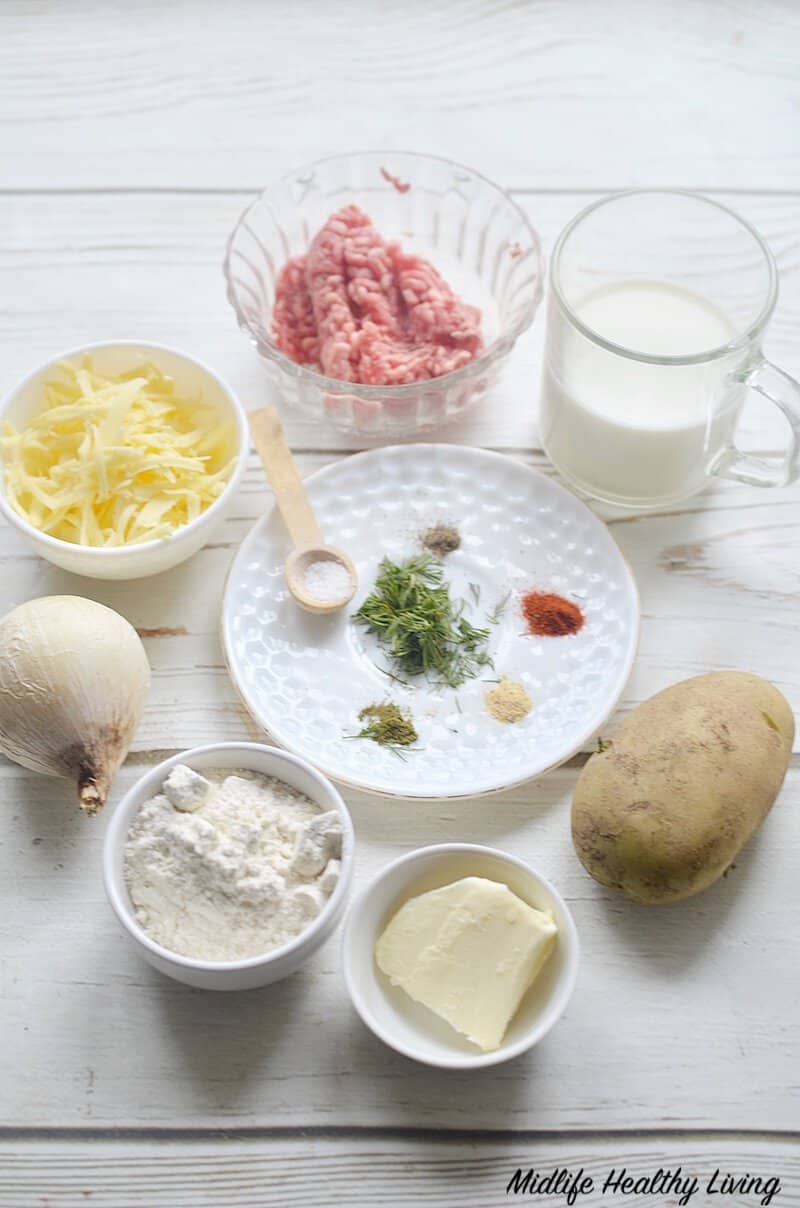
(664, 809)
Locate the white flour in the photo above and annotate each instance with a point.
(231, 864)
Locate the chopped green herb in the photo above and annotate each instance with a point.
(421, 629)
(392, 676)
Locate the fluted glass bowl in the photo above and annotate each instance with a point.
(471, 231)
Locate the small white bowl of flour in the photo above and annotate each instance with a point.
(229, 865)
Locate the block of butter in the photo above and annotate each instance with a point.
(468, 951)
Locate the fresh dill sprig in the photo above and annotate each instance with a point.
(396, 748)
(392, 676)
(422, 630)
(498, 610)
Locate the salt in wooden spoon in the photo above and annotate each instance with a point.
(298, 516)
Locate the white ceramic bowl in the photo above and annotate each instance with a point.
(149, 557)
(255, 970)
(414, 1030)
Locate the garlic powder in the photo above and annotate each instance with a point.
(239, 870)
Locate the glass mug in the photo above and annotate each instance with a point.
(658, 302)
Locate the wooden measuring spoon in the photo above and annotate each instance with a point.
(297, 514)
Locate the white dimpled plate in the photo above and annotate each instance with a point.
(305, 678)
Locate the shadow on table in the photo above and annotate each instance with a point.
(243, 1054)
(47, 821)
(674, 936)
(406, 1095)
(226, 1039)
(488, 819)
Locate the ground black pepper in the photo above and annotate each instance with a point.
(441, 539)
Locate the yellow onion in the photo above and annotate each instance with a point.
(73, 681)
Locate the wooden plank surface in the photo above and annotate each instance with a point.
(309, 1170)
(537, 93)
(130, 139)
(682, 1015)
(149, 266)
(704, 570)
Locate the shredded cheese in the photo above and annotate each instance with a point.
(116, 461)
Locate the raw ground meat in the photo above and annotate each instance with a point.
(361, 309)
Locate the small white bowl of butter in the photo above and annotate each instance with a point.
(424, 902)
(196, 385)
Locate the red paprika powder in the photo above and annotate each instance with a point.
(549, 615)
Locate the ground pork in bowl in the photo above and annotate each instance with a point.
(384, 290)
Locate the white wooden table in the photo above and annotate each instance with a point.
(131, 135)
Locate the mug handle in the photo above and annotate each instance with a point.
(784, 392)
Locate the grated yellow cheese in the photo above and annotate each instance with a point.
(116, 461)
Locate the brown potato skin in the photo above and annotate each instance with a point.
(664, 810)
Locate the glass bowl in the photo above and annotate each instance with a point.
(472, 232)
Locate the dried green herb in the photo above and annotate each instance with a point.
(422, 630)
(386, 724)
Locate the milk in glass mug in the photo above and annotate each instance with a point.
(658, 302)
